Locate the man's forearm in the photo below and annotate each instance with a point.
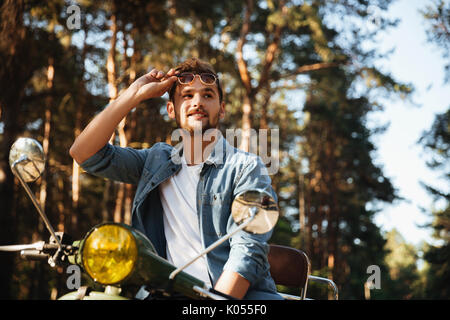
(232, 284)
(98, 132)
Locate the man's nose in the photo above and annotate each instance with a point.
(197, 100)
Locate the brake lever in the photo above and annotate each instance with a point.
(34, 255)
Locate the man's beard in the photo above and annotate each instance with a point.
(210, 124)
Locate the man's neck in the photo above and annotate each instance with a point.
(198, 146)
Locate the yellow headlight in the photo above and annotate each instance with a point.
(109, 253)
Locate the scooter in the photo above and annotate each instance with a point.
(117, 256)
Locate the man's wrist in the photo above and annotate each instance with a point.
(131, 97)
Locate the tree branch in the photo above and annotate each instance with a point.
(271, 51)
(311, 67)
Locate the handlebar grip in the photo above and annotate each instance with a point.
(33, 255)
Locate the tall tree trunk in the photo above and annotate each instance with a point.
(250, 92)
(263, 122)
(247, 108)
(131, 131)
(245, 78)
(46, 135)
(334, 212)
(12, 35)
(123, 141)
(111, 61)
(113, 93)
(37, 269)
(302, 212)
(309, 239)
(77, 130)
(60, 203)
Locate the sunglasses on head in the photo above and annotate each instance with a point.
(205, 78)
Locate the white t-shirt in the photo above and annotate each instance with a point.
(181, 223)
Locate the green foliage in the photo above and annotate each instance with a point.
(437, 144)
(437, 16)
(437, 255)
(402, 280)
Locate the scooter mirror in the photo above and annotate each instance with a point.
(264, 207)
(27, 158)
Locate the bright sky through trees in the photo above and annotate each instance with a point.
(420, 63)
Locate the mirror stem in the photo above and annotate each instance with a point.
(252, 216)
(38, 207)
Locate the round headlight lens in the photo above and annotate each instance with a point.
(109, 253)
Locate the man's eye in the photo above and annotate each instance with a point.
(187, 96)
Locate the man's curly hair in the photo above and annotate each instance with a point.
(195, 65)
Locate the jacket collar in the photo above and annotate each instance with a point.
(216, 156)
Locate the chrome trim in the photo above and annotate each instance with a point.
(289, 296)
(329, 282)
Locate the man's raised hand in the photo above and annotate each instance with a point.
(153, 84)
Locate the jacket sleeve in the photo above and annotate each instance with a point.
(117, 163)
(248, 252)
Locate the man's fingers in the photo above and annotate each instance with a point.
(153, 73)
(159, 75)
(158, 88)
(167, 83)
(172, 72)
(156, 75)
(171, 80)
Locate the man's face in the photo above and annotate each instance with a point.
(196, 106)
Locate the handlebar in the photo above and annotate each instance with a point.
(40, 250)
(19, 247)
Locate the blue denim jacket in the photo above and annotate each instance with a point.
(227, 172)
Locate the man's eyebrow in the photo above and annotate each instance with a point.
(206, 89)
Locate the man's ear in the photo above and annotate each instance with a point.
(170, 109)
(222, 110)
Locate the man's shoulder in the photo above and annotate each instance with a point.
(160, 150)
(238, 156)
(242, 161)
(161, 147)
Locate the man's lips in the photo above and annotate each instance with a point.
(197, 114)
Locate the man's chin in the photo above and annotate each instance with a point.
(201, 127)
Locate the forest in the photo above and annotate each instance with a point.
(296, 67)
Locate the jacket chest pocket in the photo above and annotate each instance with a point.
(214, 199)
(219, 206)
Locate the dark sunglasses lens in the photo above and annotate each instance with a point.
(208, 78)
(186, 78)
